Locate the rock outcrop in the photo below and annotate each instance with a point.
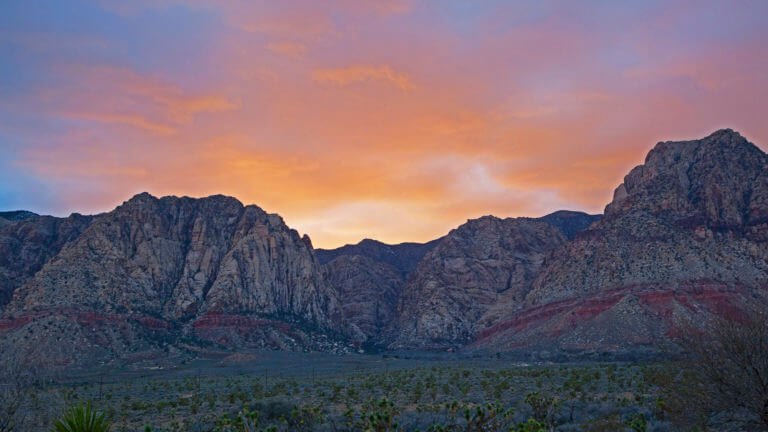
(182, 265)
(368, 292)
(366, 275)
(477, 266)
(368, 278)
(686, 233)
(28, 243)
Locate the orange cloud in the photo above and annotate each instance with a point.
(125, 119)
(290, 24)
(121, 96)
(426, 123)
(362, 73)
(288, 48)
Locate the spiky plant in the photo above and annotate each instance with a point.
(82, 418)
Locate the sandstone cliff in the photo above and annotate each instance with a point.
(209, 269)
(685, 234)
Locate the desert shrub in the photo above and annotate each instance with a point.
(245, 421)
(532, 425)
(610, 423)
(543, 407)
(489, 417)
(273, 409)
(16, 382)
(637, 423)
(82, 418)
(723, 378)
(305, 418)
(375, 416)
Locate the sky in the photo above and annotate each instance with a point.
(395, 120)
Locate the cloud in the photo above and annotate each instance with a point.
(394, 120)
(362, 73)
(121, 96)
(291, 49)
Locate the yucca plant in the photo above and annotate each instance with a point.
(82, 418)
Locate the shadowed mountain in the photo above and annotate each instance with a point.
(27, 244)
(17, 215)
(570, 222)
(404, 256)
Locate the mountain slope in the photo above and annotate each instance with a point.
(482, 263)
(207, 268)
(685, 234)
(369, 278)
(569, 222)
(27, 244)
(404, 256)
(368, 292)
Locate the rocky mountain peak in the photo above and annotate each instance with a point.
(719, 181)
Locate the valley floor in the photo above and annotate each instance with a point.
(295, 391)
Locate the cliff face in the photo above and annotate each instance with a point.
(685, 234)
(184, 265)
(368, 278)
(179, 257)
(28, 243)
(452, 292)
(368, 292)
(473, 268)
(694, 210)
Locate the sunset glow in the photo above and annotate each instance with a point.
(395, 120)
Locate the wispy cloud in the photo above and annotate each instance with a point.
(121, 96)
(362, 73)
(288, 48)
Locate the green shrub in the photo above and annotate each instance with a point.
(82, 418)
(637, 423)
(532, 425)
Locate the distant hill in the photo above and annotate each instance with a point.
(404, 256)
(17, 215)
(569, 222)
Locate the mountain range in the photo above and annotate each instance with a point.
(684, 238)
